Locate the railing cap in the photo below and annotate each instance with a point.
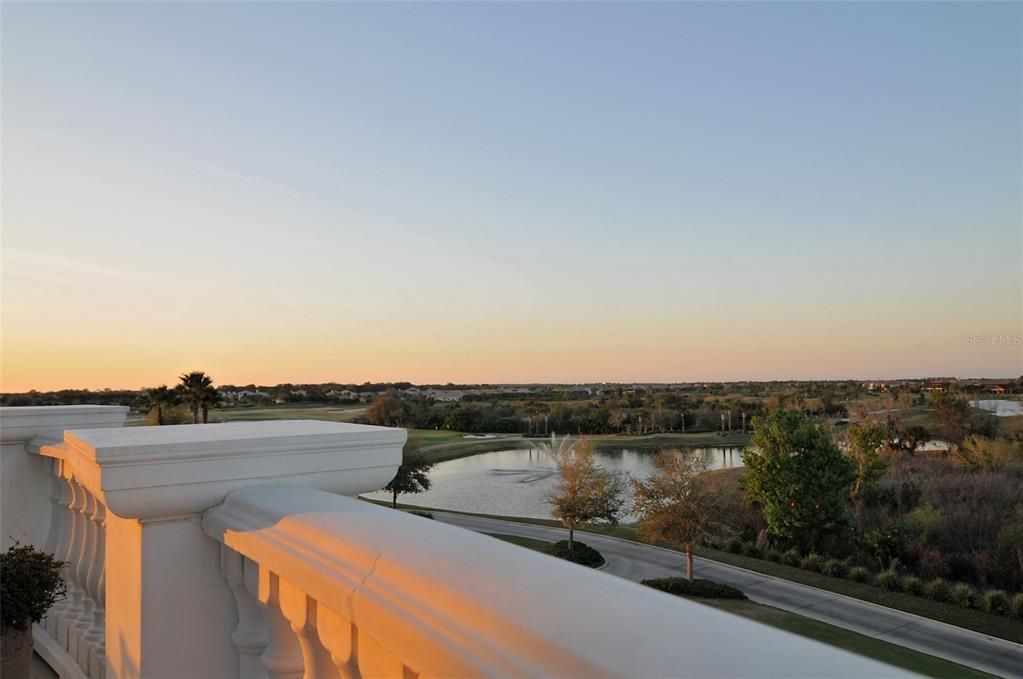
(448, 602)
(22, 423)
(159, 472)
(250, 439)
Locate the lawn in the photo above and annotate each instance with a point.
(860, 644)
(677, 440)
(853, 642)
(334, 413)
(528, 543)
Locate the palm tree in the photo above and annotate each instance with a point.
(194, 388)
(210, 398)
(158, 398)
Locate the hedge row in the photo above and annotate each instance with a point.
(993, 601)
(706, 589)
(581, 553)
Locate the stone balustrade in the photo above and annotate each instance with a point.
(229, 550)
(329, 586)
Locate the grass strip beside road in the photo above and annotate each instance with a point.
(854, 642)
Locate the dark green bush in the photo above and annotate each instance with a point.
(734, 546)
(887, 580)
(995, 601)
(706, 589)
(812, 562)
(30, 582)
(963, 595)
(751, 550)
(938, 590)
(581, 553)
(912, 585)
(1016, 606)
(859, 574)
(792, 557)
(835, 568)
(774, 555)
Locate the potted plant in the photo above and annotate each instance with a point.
(30, 582)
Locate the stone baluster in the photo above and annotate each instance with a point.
(57, 540)
(249, 636)
(76, 637)
(340, 638)
(75, 546)
(300, 611)
(283, 655)
(96, 634)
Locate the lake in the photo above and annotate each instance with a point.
(999, 407)
(515, 482)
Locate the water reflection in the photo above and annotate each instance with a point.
(515, 482)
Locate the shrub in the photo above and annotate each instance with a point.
(791, 557)
(859, 574)
(912, 585)
(938, 590)
(701, 588)
(962, 595)
(734, 546)
(835, 568)
(751, 550)
(887, 580)
(581, 553)
(30, 582)
(1016, 606)
(774, 555)
(995, 601)
(811, 562)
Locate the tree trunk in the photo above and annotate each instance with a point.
(159, 415)
(394, 499)
(205, 413)
(195, 414)
(571, 534)
(689, 560)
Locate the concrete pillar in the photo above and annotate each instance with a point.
(25, 476)
(169, 610)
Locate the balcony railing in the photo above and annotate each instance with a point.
(231, 551)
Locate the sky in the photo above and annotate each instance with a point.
(514, 192)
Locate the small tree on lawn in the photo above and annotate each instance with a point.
(584, 492)
(412, 477)
(677, 504)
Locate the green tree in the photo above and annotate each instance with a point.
(981, 453)
(866, 442)
(799, 476)
(677, 504)
(584, 492)
(210, 398)
(158, 399)
(1011, 536)
(413, 475)
(194, 388)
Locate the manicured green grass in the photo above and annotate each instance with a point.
(985, 623)
(677, 440)
(333, 413)
(853, 642)
(528, 543)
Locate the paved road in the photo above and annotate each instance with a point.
(636, 561)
